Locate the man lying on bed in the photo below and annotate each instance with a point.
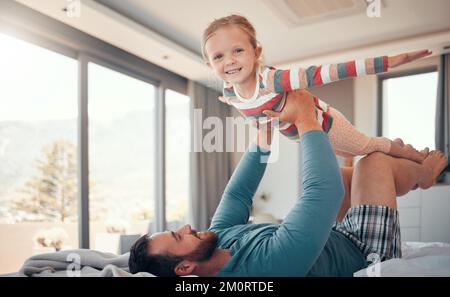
(308, 241)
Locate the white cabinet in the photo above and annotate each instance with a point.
(436, 214)
(425, 214)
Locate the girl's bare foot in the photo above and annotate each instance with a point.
(399, 141)
(412, 151)
(433, 165)
(405, 151)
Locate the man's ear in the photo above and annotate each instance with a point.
(185, 267)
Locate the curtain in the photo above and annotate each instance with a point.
(210, 171)
(443, 112)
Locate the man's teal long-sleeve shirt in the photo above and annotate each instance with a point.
(304, 243)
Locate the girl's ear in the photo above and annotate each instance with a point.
(258, 52)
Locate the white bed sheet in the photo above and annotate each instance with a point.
(419, 259)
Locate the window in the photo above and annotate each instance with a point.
(409, 108)
(121, 156)
(40, 130)
(38, 124)
(178, 134)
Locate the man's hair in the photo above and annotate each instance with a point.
(142, 261)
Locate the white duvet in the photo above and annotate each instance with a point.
(419, 259)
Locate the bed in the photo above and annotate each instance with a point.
(419, 259)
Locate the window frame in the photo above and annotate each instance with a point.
(26, 24)
(380, 90)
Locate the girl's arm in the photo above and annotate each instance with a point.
(279, 81)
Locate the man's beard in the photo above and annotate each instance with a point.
(205, 249)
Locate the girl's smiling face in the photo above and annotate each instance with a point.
(232, 56)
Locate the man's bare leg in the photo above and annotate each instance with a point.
(378, 178)
(371, 182)
(347, 173)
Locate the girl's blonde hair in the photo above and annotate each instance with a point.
(231, 20)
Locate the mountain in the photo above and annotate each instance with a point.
(121, 153)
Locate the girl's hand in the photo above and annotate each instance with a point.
(300, 110)
(401, 59)
(299, 107)
(224, 100)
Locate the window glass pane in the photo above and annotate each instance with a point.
(121, 158)
(409, 108)
(178, 134)
(38, 124)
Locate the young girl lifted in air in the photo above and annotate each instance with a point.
(230, 48)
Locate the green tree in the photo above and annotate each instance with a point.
(51, 195)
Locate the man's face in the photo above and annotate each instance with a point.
(193, 245)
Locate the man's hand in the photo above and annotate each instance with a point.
(300, 110)
(401, 59)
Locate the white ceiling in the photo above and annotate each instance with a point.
(184, 21)
(154, 28)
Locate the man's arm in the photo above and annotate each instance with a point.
(298, 242)
(235, 205)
